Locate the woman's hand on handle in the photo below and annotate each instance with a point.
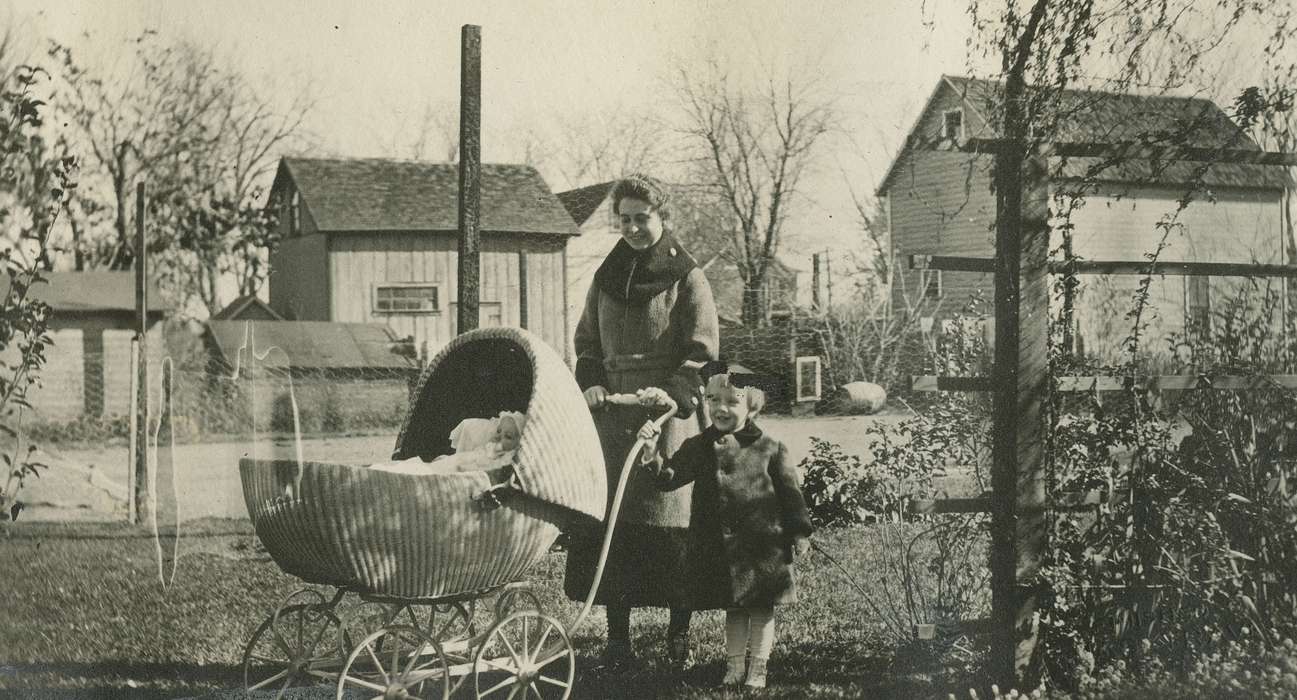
(654, 396)
(595, 397)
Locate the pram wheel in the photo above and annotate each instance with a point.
(516, 599)
(397, 662)
(525, 651)
(292, 647)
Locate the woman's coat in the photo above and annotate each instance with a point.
(649, 320)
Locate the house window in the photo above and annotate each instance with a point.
(406, 297)
(295, 213)
(808, 378)
(930, 284)
(1197, 306)
(952, 124)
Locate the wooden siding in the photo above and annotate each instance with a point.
(1122, 223)
(359, 261)
(88, 366)
(941, 203)
(299, 283)
(585, 254)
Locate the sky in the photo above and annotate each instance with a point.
(375, 66)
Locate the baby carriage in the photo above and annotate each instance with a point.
(411, 556)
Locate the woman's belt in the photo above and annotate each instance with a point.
(640, 361)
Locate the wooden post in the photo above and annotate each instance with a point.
(522, 289)
(1070, 283)
(815, 283)
(470, 175)
(141, 407)
(133, 448)
(1018, 517)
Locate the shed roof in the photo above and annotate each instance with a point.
(582, 202)
(378, 194)
(1094, 116)
(243, 304)
(92, 291)
(310, 344)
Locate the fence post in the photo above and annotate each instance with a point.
(1018, 517)
(134, 423)
(141, 405)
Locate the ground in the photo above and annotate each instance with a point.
(87, 613)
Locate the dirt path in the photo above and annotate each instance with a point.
(90, 484)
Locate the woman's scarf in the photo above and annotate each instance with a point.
(639, 275)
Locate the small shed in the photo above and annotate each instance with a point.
(92, 323)
(247, 308)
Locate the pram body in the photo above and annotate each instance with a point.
(423, 547)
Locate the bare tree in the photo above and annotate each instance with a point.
(754, 145)
(433, 136)
(133, 126)
(205, 141)
(605, 145)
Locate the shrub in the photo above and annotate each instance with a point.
(839, 490)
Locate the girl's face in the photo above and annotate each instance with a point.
(728, 405)
(641, 226)
(507, 435)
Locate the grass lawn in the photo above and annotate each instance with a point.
(85, 615)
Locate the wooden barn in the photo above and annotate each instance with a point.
(941, 203)
(376, 241)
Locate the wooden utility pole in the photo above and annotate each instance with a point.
(141, 407)
(522, 289)
(1018, 516)
(470, 175)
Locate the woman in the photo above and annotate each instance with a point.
(649, 321)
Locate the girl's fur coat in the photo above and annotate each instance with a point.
(747, 508)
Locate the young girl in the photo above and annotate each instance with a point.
(748, 521)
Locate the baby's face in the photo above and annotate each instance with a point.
(507, 434)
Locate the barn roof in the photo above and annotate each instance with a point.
(92, 291)
(310, 344)
(1093, 116)
(582, 202)
(377, 194)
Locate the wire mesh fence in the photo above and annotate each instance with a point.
(87, 397)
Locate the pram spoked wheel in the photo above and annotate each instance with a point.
(294, 645)
(525, 651)
(397, 662)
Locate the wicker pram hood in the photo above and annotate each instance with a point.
(483, 372)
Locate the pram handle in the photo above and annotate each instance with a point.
(634, 400)
(632, 457)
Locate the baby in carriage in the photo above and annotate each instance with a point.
(480, 444)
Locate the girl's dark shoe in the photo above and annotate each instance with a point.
(617, 655)
(678, 652)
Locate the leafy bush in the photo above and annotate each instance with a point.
(1194, 536)
(839, 490)
(36, 179)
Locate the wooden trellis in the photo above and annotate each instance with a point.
(1019, 504)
